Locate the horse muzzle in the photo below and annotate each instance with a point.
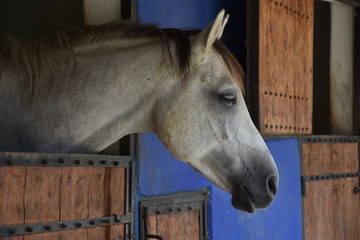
(248, 198)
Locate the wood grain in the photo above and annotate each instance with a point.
(331, 208)
(42, 198)
(12, 185)
(285, 66)
(175, 226)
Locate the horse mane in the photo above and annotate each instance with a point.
(34, 58)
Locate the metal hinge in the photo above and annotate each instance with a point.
(324, 177)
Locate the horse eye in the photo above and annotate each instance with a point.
(229, 99)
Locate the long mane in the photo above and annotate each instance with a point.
(43, 57)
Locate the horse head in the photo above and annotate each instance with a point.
(204, 122)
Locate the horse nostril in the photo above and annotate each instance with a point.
(272, 185)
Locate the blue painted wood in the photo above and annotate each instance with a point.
(158, 173)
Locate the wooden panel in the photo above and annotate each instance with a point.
(42, 197)
(175, 226)
(328, 158)
(331, 208)
(12, 182)
(285, 66)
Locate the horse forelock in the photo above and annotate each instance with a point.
(45, 56)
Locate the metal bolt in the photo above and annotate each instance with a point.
(78, 225)
(11, 231)
(91, 162)
(116, 163)
(63, 225)
(157, 211)
(117, 218)
(170, 209)
(77, 162)
(190, 208)
(10, 162)
(356, 189)
(92, 222)
(106, 221)
(47, 227)
(62, 161)
(46, 162)
(103, 162)
(29, 229)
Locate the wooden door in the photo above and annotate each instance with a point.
(63, 196)
(331, 203)
(175, 217)
(280, 45)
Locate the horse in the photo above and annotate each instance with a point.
(80, 90)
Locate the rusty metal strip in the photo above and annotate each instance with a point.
(16, 159)
(36, 228)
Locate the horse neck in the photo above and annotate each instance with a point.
(130, 82)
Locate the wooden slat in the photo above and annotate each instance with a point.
(12, 185)
(175, 226)
(285, 66)
(42, 198)
(74, 194)
(117, 199)
(316, 159)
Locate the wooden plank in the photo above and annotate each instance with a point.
(344, 157)
(12, 185)
(175, 226)
(117, 199)
(42, 198)
(97, 201)
(316, 159)
(74, 198)
(318, 210)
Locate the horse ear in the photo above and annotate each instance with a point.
(206, 38)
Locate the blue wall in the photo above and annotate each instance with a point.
(159, 173)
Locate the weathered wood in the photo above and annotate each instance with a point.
(331, 208)
(12, 183)
(175, 226)
(285, 66)
(42, 198)
(117, 199)
(74, 195)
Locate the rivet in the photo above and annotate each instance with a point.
(10, 162)
(106, 221)
(11, 231)
(47, 227)
(91, 162)
(266, 92)
(190, 208)
(170, 209)
(118, 218)
(46, 162)
(63, 225)
(29, 229)
(92, 222)
(62, 161)
(103, 162)
(157, 212)
(77, 162)
(116, 163)
(266, 126)
(78, 225)
(179, 209)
